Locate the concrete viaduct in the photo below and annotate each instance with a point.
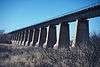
(45, 35)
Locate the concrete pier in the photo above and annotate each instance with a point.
(64, 37)
(12, 38)
(19, 43)
(52, 38)
(30, 37)
(26, 36)
(31, 42)
(35, 37)
(23, 39)
(16, 38)
(19, 37)
(82, 33)
(43, 34)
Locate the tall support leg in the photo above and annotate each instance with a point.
(30, 36)
(26, 36)
(37, 43)
(35, 38)
(42, 36)
(52, 38)
(13, 38)
(22, 37)
(18, 38)
(64, 37)
(31, 40)
(27, 39)
(82, 33)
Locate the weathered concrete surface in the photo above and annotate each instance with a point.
(19, 38)
(35, 37)
(64, 37)
(26, 44)
(43, 34)
(52, 37)
(82, 34)
(22, 38)
(24, 35)
(30, 37)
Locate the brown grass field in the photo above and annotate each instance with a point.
(87, 55)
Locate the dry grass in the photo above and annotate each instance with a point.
(87, 55)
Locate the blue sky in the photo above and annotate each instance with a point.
(16, 14)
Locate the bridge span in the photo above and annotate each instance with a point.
(45, 35)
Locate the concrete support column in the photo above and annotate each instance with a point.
(30, 36)
(64, 37)
(35, 37)
(18, 36)
(52, 38)
(42, 37)
(27, 39)
(37, 43)
(15, 38)
(22, 37)
(82, 33)
(12, 38)
(31, 41)
(19, 39)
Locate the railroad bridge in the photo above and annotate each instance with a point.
(45, 34)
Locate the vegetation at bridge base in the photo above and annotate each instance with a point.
(5, 39)
(87, 55)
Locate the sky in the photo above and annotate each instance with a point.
(16, 14)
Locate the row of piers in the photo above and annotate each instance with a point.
(47, 36)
